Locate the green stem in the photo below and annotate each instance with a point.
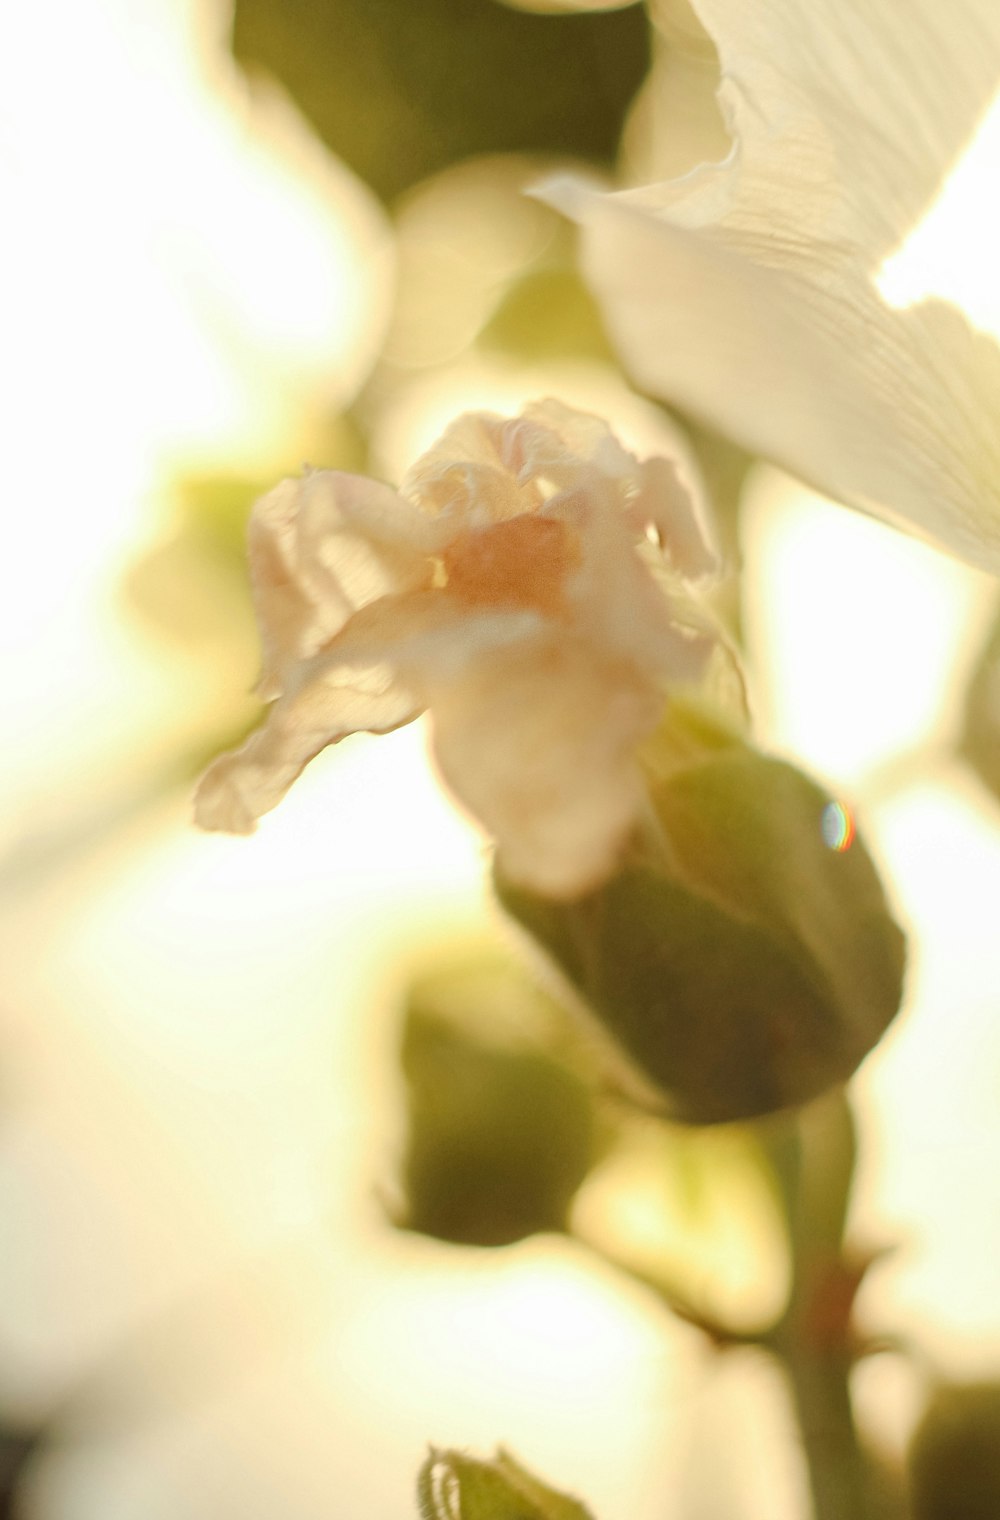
(838, 1471)
(814, 1164)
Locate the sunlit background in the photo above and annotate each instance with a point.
(200, 1294)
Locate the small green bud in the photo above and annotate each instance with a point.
(453, 1486)
(501, 1129)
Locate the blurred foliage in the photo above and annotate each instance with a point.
(980, 741)
(454, 1486)
(694, 1214)
(954, 1458)
(400, 88)
(549, 313)
(501, 1128)
(743, 964)
(194, 586)
(17, 1448)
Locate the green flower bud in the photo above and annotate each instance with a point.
(501, 1130)
(744, 959)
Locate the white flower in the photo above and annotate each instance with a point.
(530, 584)
(748, 291)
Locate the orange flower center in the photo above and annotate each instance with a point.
(519, 563)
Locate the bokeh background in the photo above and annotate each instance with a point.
(235, 243)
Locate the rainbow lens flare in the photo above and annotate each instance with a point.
(837, 826)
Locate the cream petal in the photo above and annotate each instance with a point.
(539, 744)
(474, 472)
(666, 503)
(376, 674)
(653, 491)
(320, 548)
(747, 291)
(624, 600)
(330, 702)
(563, 438)
(429, 637)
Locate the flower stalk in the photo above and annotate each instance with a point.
(813, 1163)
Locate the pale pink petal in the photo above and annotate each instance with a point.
(374, 675)
(667, 503)
(624, 600)
(654, 492)
(429, 637)
(539, 744)
(568, 437)
(330, 702)
(319, 549)
(474, 472)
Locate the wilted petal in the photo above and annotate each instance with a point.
(747, 291)
(428, 637)
(319, 549)
(625, 599)
(521, 595)
(331, 702)
(475, 471)
(540, 745)
(567, 446)
(675, 510)
(375, 675)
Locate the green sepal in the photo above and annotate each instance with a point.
(454, 1486)
(739, 961)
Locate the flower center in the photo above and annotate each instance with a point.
(519, 563)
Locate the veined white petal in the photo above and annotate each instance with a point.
(747, 291)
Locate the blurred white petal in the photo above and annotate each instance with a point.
(748, 291)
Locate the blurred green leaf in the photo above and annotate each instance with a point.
(195, 587)
(746, 966)
(694, 1214)
(400, 88)
(549, 312)
(980, 743)
(954, 1458)
(454, 1486)
(501, 1130)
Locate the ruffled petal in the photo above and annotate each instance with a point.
(330, 701)
(474, 472)
(625, 600)
(747, 292)
(319, 549)
(568, 446)
(376, 674)
(539, 744)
